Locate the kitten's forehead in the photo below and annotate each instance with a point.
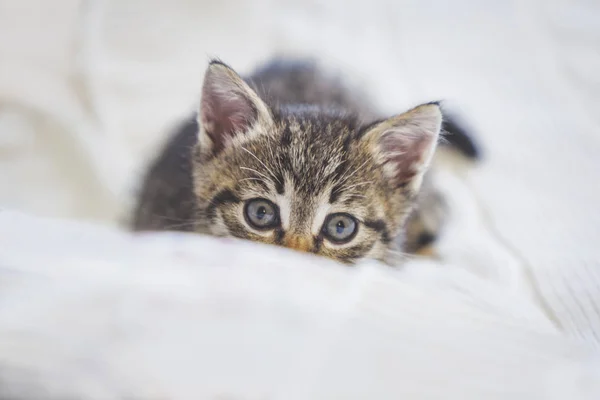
(313, 152)
(315, 157)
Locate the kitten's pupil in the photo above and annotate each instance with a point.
(260, 214)
(340, 226)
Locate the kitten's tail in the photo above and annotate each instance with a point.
(458, 137)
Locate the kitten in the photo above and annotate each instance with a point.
(290, 157)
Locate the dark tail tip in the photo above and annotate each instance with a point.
(458, 137)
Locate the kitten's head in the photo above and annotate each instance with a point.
(309, 179)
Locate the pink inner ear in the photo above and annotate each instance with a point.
(406, 152)
(224, 112)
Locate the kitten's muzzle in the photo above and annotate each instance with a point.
(300, 243)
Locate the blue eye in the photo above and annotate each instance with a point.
(261, 214)
(340, 228)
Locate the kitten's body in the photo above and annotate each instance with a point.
(306, 148)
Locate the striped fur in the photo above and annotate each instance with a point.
(291, 136)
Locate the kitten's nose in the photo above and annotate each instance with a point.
(295, 242)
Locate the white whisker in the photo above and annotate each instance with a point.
(251, 179)
(395, 154)
(345, 178)
(262, 163)
(255, 171)
(355, 185)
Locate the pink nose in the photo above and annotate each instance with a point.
(297, 243)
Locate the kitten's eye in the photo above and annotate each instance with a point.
(340, 228)
(261, 214)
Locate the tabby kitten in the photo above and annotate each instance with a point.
(289, 157)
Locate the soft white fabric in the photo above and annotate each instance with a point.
(88, 92)
(109, 315)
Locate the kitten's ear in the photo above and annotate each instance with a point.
(229, 109)
(404, 144)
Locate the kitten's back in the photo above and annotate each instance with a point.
(166, 200)
(283, 82)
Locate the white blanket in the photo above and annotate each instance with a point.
(88, 91)
(99, 314)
